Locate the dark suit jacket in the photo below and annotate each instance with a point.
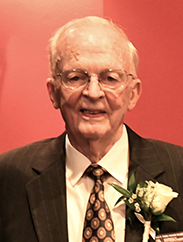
(33, 188)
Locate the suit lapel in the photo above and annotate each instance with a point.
(47, 193)
(146, 164)
(144, 160)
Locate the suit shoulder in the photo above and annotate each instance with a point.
(30, 152)
(168, 147)
(23, 149)
(170, 154)
(144, 147)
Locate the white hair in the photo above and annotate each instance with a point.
(54, 53)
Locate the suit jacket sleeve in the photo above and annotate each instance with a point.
(33, 193)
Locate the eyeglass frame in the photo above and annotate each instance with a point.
(89, 76)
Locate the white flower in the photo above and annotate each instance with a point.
(134, 196)
(130, 200)
(137, 209)
(158, 196)
(141, 193)
(136, 205)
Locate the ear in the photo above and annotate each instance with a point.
(53, 93)
(135, 93)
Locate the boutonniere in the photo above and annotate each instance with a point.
(147, 201)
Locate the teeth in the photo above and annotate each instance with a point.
(91, 112)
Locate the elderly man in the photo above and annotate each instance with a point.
(45, 186)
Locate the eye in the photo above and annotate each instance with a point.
(110, 77)
(76, 76)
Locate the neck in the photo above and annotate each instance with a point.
(94, 149)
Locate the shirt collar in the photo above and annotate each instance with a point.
(115, 161)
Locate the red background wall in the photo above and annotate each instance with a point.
(26, 113)
(156, 29)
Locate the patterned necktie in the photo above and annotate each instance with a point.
(98, 225)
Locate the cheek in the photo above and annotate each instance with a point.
(69, 101)
(118, 100)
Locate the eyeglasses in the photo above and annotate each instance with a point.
(110, 78)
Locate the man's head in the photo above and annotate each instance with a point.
(83, 51)
(77, 26)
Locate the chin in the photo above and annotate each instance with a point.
(93, 133)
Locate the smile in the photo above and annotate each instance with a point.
(92, 112)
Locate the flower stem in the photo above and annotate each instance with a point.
(147, 228)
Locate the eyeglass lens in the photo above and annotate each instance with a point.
(108, 78)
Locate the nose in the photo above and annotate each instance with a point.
(93, 89)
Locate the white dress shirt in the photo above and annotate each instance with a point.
(78, 188)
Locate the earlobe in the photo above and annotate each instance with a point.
(53, 93)
(135, 94)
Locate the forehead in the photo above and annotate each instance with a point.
(98, 40)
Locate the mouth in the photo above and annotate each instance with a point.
(96, 113)
(91, 111)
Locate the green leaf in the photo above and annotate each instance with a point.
(157, 230)
(120, 199)
(162, 217)
(155, 226)
(121, 190)
(132, 183)
(130, 215)
(130, 205)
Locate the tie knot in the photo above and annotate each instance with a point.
(97, 172)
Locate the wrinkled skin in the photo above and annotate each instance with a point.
(93, 115)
